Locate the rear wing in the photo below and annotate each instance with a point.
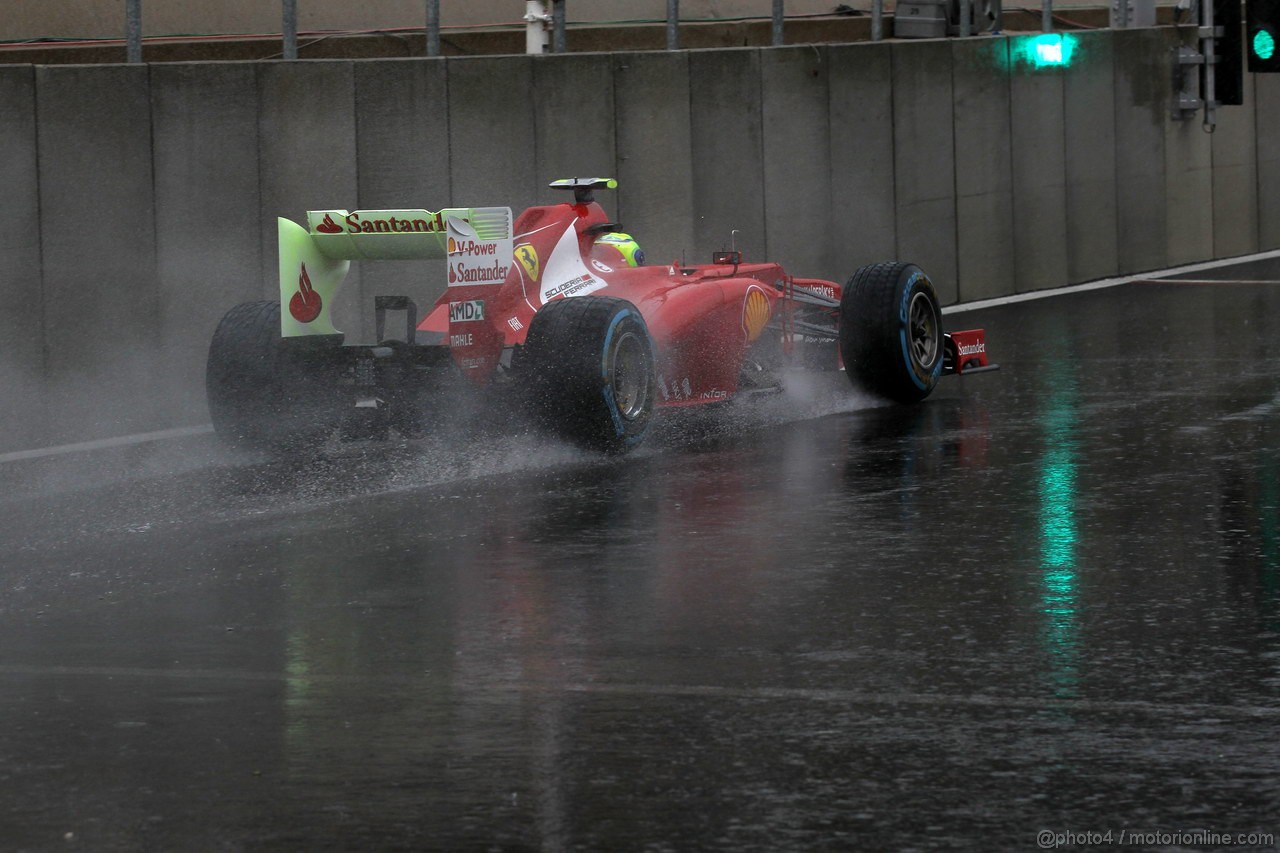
(314, 261)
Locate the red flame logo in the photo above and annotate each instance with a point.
(328, 226)
(306, 303)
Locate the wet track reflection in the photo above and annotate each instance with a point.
(1049, 598)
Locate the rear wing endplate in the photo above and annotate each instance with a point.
(314, 261)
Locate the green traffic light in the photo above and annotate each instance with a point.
(1049, 53)
(1051, 50)
(1264, 45)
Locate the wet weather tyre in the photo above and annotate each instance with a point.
(588, 368)
(266, 393)
(891, 336)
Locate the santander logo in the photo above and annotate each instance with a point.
(306, 303)
(329, 226)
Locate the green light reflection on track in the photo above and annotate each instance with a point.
(1059, 537)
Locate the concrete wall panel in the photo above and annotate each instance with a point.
(491, 132)
(97, 224)
(1143, 92)
(984, 183)
(1267, 130)
(22, 417)
(402, 159)
(1090, 159)
(1188, 190)
(208, 234)
(307, 161)
(728, 168)
(924, 170)
(797, 161)
(1235, 178)
(860, 81)
(402, 133)
(1039, 173)
(655, 201)
(574, 122)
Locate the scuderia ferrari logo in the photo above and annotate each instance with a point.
(528, 258)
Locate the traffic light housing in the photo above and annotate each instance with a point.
(1228, 71)
(1262, 35)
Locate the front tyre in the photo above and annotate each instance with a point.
(589, 371)
(891, 336)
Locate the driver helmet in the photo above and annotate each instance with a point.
(616, 248)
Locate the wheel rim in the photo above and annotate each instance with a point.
(630, 376)
(922, 330)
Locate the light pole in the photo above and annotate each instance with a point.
(289, 27)
(133, 30)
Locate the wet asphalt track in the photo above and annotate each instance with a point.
(1047, 599)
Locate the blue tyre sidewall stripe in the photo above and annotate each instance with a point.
(903, 305)
(620, 428)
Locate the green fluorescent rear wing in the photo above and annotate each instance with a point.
(314, 261)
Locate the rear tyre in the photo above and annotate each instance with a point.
(266, 393)
(891, 336)
(588, 368)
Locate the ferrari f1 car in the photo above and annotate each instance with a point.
(555, 312)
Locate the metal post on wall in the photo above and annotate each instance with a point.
(1210, 48)
(536, 20)
(289, 27)
(877, 20)
(673, 24)
(1120, 15)
(558, 39)
(433, 27)
(779, 18)
(966, 18)
(1046, 16)
(133, 31)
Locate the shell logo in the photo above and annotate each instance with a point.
(756, 312)
(453, 246)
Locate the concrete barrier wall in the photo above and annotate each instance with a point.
(654, 138)
(204, 121)
(988, 161)
(100, 288)
(860, 123)
(726, 148)
(1267, 112)
(140, 202)
(1089, 133)
(24, 410)
(924, 160)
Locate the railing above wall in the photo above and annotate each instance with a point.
(546, 26)
(559, 25)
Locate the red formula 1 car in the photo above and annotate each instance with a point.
(557, 312)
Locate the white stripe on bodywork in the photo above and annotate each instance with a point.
(565, 268)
